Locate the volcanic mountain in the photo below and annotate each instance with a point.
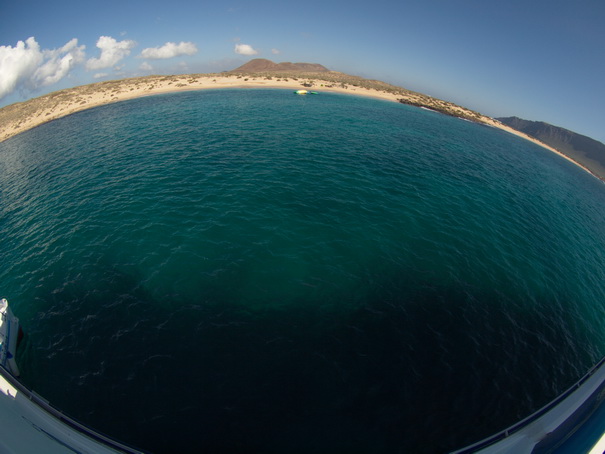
(588, 152)
(261, 65)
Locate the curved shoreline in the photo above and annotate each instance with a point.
(20, 117)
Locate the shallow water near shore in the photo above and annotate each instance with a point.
(253, 271)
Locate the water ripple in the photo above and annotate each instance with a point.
(286, 272)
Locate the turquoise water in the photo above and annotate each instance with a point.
(252, 271)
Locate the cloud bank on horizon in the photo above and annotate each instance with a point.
(26, 68)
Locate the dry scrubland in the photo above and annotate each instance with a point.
(20, 117)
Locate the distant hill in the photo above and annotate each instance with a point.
(588, 152)
(259, 65)
(314, 74)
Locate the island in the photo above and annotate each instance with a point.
(257, 73)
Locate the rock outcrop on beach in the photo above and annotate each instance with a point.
(582, 149)
(263, 65)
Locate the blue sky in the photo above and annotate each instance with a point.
(537, 59)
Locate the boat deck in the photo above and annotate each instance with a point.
(31, 425)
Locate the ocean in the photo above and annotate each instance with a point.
(242, 270)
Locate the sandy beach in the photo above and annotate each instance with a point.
(20, 117)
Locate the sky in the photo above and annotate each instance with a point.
(536, 59)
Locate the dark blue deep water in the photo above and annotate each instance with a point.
(251, 271)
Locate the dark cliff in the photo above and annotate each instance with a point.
(586, 151)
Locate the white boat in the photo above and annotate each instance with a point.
(571, 423)
(31, 425)
(9, 335)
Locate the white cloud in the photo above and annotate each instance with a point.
(275, 51)
(27, 67)
(169, 50)
(18, 64)
(58, 63)
(112, 52)
(145, 66)
(245, 49)
(99, 75)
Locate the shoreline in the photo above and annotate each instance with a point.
(23, 116)
(37, 111)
